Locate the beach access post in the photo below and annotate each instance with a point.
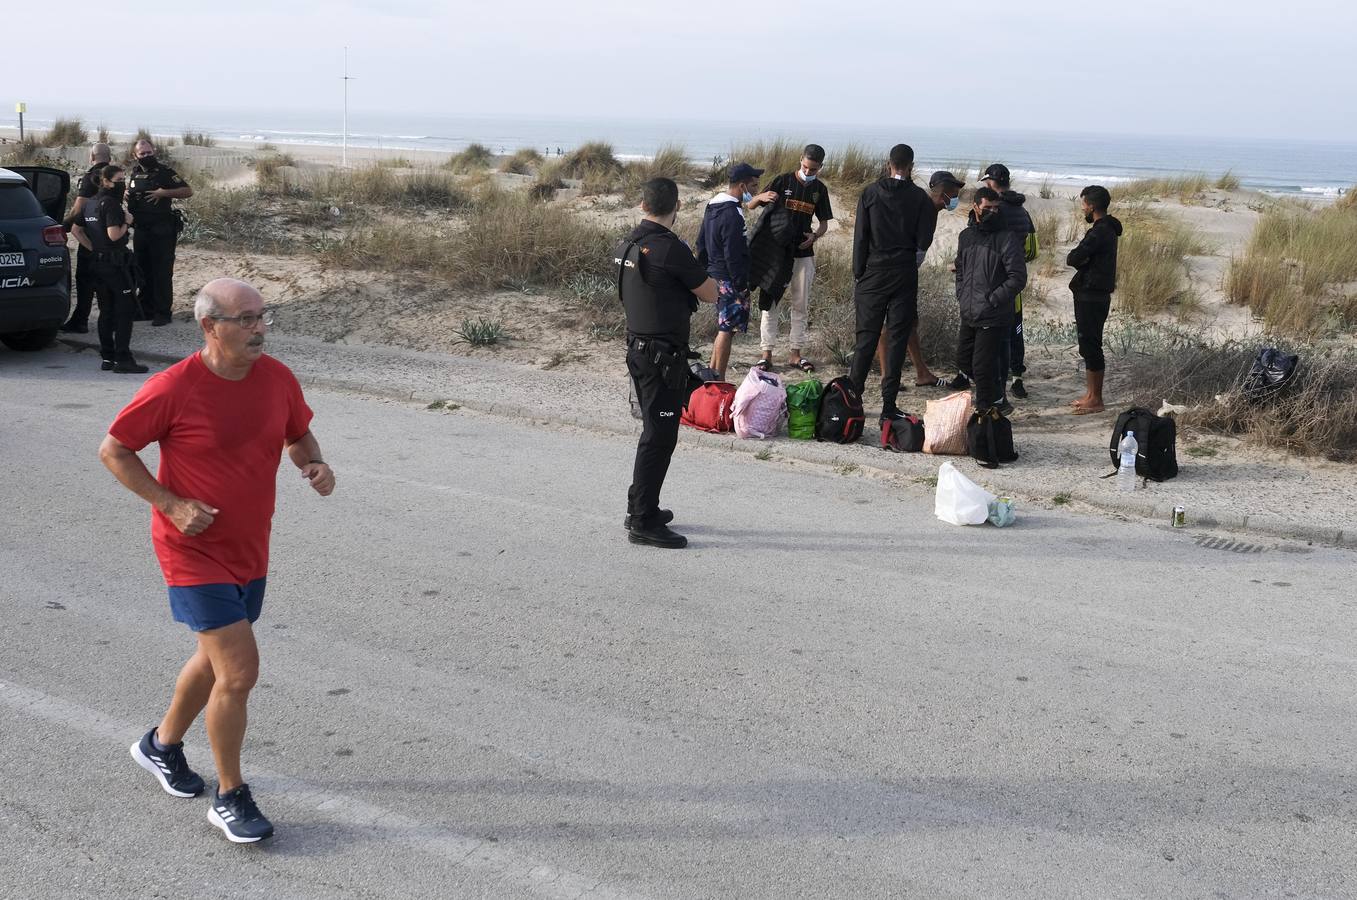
(21, 108)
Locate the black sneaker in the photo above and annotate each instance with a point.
(959, 383)
(75, 328)
(1018, 390)
(106, 365)
(892, 416)
(168, 766)
(1005, 407)
(235, 813)
(129, 367)
(663, 517)
(657, 536)
(158, 321)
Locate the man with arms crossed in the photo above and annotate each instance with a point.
(222, 418)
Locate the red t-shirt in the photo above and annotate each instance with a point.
(220, 442)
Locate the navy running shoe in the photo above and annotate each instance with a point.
(235, 813)
(168, 766)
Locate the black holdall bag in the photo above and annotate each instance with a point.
(903, 435)
(1157, 441)
(841, 416)
(1270, 372)
(989, 438)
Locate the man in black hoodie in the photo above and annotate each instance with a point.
(990, 273)
(1015, 218)
(895, 220)
(1095, 278)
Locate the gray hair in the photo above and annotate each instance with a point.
(100, 153)
(205, 306)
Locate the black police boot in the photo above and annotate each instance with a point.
(74, 327)
(663, 517)
(656, 535)
(159, 320)
(129, 366)
(1019, 390)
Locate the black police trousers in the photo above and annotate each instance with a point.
(85, 279)
(154, 245)
(115, 286)
(884, 296)
(979, 354)
(661, 406)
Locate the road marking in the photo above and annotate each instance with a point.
(525, 872)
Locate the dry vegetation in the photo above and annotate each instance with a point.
(1152, 275)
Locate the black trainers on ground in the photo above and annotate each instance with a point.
(129, 367)
(235, 813)
(106, 365)
(1005, 407)
(657, 535)
(664, 517)
(959, 383)
(75, 328)
(169, 767)
(1018, 390)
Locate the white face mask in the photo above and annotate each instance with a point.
(807, 177)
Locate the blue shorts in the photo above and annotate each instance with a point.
(732, 308)
(203, 607)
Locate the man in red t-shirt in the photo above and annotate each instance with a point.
(222, 418)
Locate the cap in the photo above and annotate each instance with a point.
(945, 179)
(998, 172)
(743, 172)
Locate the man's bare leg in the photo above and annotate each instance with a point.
(235, 664)
(923, 376)
(191, 693)
(720, 353)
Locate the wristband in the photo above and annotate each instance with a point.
(315, 462)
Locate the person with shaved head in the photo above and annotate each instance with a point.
(223, 418)
(86, 190)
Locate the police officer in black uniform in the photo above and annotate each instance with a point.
(102, 231)
(150, 190)
(85, 190)
(659, 282)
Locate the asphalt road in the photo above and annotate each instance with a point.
(474, 687)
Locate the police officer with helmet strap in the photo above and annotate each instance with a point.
(659, 282)
(151, 188)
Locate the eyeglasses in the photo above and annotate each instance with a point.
(248, 320)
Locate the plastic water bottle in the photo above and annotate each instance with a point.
(1126, 468)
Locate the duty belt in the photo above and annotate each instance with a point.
(643, 344)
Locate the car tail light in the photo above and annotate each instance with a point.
(54, 236)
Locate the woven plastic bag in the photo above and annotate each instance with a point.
(945, 424)
(960, 501)
(760, 405)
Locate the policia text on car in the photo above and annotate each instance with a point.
(659, 282)
(150, 189)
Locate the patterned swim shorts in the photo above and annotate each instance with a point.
(732, 308)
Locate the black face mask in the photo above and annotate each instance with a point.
(989, 217)
(116, 192)
(147, 162)
(1088, 217)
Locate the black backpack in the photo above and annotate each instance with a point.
(989, 438)
(1157, 438)
(1270, 372)
(841, 416)
(903, 435)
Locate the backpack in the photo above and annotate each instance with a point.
(989, 438)
(1270, 372)
(760, 405)
(903, 435)
(841, 416)
(803, 406)
(1157, 437)
(710, 408)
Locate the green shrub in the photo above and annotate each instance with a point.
(475, 156)
(524, 162)
(594, 159)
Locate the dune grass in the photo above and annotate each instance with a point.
(474, 157)
(198, 139)
(524, 161)
(1227, 182)
(1048, 229)
(1152, 256)
(595, 158)
(849, 169)
(1182, 187)
(774, 156)
(66, 133)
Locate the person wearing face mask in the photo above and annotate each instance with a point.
(659, 282)
(102, 233)
(151, 188)
(990, 273)
(1095, 278)
(724, 250)
(801, 195)
(895, 221)
(87, 189)
(1014, 217)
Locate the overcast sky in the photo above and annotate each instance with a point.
(1247, 69)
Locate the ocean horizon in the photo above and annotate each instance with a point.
(1316, 169)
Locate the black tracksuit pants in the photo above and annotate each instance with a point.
(154, 245)
(85, 279)
(880, 297)
(1090, 315)
(661, 407)
(117, 306)
(979, 353)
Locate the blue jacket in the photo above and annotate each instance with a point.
(721, 244)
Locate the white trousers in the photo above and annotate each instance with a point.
(798, 298)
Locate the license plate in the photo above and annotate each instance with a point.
(12, 259)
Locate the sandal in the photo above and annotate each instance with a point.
(764, 364)
(1088, 410)
(804, 365)
(935, 383)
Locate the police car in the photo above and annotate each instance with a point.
(35, 288)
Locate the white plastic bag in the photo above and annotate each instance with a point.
(960, 501)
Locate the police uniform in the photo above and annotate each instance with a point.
(657, 274)
(157, 231)
(113, 280)
(87, 188)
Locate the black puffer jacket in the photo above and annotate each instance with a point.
(1013, 216)
(990, 272)
(1095, 259)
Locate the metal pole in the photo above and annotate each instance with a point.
(21, 126)
(344, 153)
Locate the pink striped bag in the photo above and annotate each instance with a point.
(760, 405)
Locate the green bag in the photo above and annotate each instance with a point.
(803, 408)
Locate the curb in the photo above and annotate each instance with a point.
(1153, 510)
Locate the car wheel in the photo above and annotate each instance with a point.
(29, 341)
